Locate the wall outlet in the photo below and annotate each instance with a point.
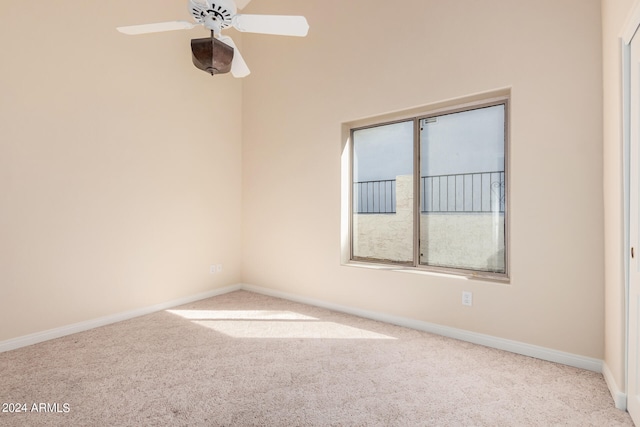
(467, 298)
(213, 269)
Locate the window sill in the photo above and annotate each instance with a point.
(432, 272)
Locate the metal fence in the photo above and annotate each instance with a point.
(374, 196)
(466, 192)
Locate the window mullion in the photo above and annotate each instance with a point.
(416, 192)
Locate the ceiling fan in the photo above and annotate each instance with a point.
(218, 54)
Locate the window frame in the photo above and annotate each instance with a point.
(416, 115)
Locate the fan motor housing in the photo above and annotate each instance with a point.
(219, 10)
(211, 55)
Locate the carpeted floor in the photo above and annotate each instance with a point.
(244, 359)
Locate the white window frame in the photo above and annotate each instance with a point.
(416, 114)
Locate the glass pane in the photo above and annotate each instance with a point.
(382, 228)
(462, 190)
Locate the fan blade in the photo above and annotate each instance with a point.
(282, 25)
(239, 68)
(156, 28)
(241, 4)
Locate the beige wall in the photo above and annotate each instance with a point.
(119, 164)
(614, 14)
(362, 59)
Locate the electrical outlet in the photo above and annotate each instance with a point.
(467, 298)
(213, 269)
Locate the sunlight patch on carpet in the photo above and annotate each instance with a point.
(289, 329)
(240, 315)
(273, 324)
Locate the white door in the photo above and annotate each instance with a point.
(633, 339)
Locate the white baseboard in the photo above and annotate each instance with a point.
(50, 334)
(619, 397)
(476, 338)
(525, 349)
(596, 365)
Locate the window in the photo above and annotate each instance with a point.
(430, 191)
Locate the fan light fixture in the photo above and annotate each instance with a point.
(218, 54)
(211, 55)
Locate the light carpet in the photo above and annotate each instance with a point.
(245, 359)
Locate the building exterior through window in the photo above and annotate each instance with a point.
(431, 191)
